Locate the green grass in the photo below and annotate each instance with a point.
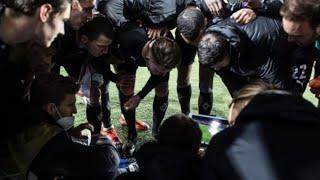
(144, 111)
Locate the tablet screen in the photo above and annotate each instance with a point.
(215, 124)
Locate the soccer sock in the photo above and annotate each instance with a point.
(105, 105)
(93, 112)
(184, 95)
(205, 103)
(129, 115)
(160, 105)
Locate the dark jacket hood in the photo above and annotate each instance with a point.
(279, 107)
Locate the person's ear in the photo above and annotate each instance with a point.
(201, 33)
(84, 39)
(185, 39)
(50, 108)
(197, 40)
(45, 11)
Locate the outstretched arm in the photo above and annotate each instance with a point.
(153, 81)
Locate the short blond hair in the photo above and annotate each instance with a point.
(166, 52)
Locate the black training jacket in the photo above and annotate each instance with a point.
(159, 12)
(113, 10)
(151, 12)
(165, 12)
(261, 49)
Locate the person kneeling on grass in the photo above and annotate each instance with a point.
(46, 148)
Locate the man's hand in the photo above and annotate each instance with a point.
(76, 132)
(244, 16)
(215, 6)
(132, 103)
(314, 85)
(155, 32)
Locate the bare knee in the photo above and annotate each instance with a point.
(184, 76)
(126, 84)
(127, 90)
(162, 90)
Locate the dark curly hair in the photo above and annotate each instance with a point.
(94, 28)
(212, 48)
(190, 23)
(180, 131)
(51, 88)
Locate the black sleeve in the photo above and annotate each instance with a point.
(152, 13)
(113, 10)
(270, 72)
(232, 81)
(112, 76)
(235, 5)
(270, 8)
(203, 7)
(61, 156)
(228, 8)
(152, 82)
